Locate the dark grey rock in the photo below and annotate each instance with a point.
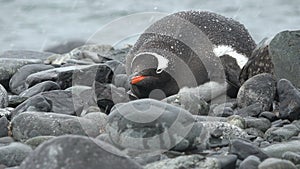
(251, 162)
(39, 88)
(69, 151)
(252, 110)
(36, 141)
(291, 156)
(4, 123)
(285, 56)
(68, 76)
(289, 100)
(222, 110)
(31, 124)
(259, 62)
(15, 100)
(141, 125)
(254, 132)
(57, 101)
(9, 66)
(188, 161)
(268, 115)
(17, 82)
(3, 97)
(275, 163)
(259, 123)
(190, 102)
(227, 162)
(258, 89)
(108, 95)
(277, 150)
(282, 134)
(280, 123)
(14, 153)
(243, 149)
(121, 80)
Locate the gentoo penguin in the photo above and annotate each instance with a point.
(188, 49)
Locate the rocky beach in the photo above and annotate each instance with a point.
(73, 110)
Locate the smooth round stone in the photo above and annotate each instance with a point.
(190, 102)
(252, 110)
(268, 115)
(141, 124)
(3, 97)
(4, 123)
(258, 89)
(15, 100)
(121, 80)
(187, 161)
(289, 100)
(284, 50)
(61, 152)
(258, 123)
(31, 124)
(57, 101)
(9, 66)
(277, 150)
(291, 156)
(282, 134)
(251, 162)
(14, 153)
(17, 82)
(39, 88)
(274, 163)
(36, 141)
(243, 149)
(222, 110)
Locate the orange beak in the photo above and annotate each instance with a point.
(137, 79)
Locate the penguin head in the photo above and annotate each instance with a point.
(150, 77)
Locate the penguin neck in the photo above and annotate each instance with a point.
(221, 50)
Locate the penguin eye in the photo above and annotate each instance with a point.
(158, 71)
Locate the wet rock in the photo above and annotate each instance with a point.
(258, 89)
(36, 141)
(141, 124)
(9, 66)
(31, 124)
(282, 134)
(291, 156)
(276, 163)
(189, 102)
(251, 162)
(284, 49)
(60, 153)
(289, 100)
(259, 123)
(189, 161)
(17, 82)
(108, 95)
(243, 149)
(252, 110)
(68, 76)
(57, 101)
(268, 115)
(277, 150)
(4, 123)
(14, 153)
(3, 97)
(39, 88)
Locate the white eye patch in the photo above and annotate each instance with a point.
(162, 62)
(228, 50)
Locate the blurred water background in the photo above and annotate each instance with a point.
(38, 24)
